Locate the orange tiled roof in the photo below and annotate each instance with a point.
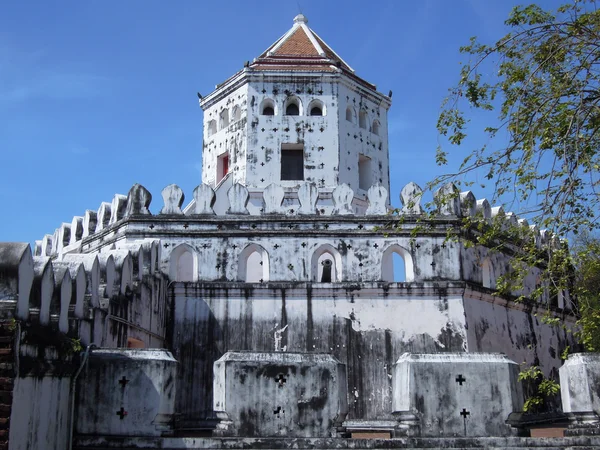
(298, 44)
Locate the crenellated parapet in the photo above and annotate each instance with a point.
(291, 235)
(76, 294)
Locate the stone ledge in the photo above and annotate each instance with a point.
(101, 442)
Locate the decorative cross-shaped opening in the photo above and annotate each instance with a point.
(121, 413)
(276, 246)
(186, 226)
(375, 245)
(123, 381)
(280, 379)
(460, 379)
(464, 413)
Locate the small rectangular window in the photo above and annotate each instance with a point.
(222, 166)
(364, 172)
(292, 162)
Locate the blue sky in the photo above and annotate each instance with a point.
(96, 96)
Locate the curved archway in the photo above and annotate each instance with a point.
(350, 114)
(316, 108)
(393, 272)
(326, 265)
(363, 120)
(253, 264)
(375, 127)
(223, 119)
(211, 128)
(293, 107)
(236, 113)
(487, 274)
(183, 264)
(268, 107)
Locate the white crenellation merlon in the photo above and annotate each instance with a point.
(46, 245)
(104, 215)
(91, 267)
(64, 237)
(484, 209)
(117, 208)
(138, 201)
(273, 198)
(468, 204)
(204, 200)
(37, 249)
(342, 200)
(377, 196)
(76, 230)
(90, 220)
(308, 196)
(43, 285)
(173, 198)
(16, 275)
(497, 212)
(410, 197)
(447, 200)
(238, 199)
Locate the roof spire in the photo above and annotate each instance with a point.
(300, 18)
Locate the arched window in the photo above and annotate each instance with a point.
(326, 265)
(253, 264)
(183, 264)
(350, 114)
(211, 128)
(316, 108)
(237, 113)
(487, 274)
(223, 119)
(397, 265)
(267, 107)
(362, 119)
(375, 128)
(293, 107)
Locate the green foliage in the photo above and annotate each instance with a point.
(542, 81)
(540, 388)
(587, 290)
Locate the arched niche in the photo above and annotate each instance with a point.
(350, 114)
(326, 260)
(223, 119)
(363, 119)
(487, 274)
(253, 264)
(392, 259)
(293, 107)
(183, 264)
(316, 108)
(268, 107)
(211, 128)
(375, 127)
(236, 114)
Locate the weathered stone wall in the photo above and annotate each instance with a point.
(365, 326)
(517, 330)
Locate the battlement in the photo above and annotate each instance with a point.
(80, 294)
(276, 202)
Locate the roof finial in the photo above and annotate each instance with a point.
(300, 18)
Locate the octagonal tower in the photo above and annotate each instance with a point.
(296, 113)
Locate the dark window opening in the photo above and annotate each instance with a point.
(222, 166)
(316, 111)
(268, 111)
(292, 110)
(292, 163)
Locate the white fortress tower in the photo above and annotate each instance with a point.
(296, 113)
